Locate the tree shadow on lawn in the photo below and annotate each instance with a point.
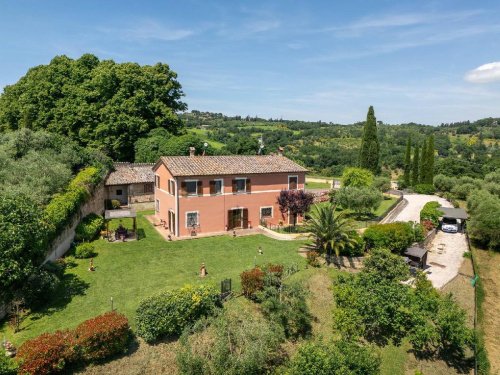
(71, 285)
(462, 363)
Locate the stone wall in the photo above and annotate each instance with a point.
(63, 242)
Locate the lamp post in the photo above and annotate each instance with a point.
(112, 309)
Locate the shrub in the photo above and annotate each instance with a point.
(102, 336)
(444, 183)
(382, 183)
(396, 236)
(357, 177)
(312, 258)
(89, 227)
(38, 288)
(252, 281)
(115, 204)
(431, 213)
(169, 312)
(424, 189)
(462, 191)
(46, 354)
(7, 365)
(362, 200)
(84, 250)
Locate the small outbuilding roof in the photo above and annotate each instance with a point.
(454, 213)
(131, 173)
(119, 214)
(228, 165)
(416, 252)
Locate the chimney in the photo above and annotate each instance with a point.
(280, 151)
(191, 151)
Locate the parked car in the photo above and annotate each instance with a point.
(449, 225)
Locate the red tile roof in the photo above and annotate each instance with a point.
(131, 173)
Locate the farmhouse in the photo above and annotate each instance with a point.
(213, 194)
(131, 183)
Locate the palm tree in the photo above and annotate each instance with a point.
(330, 232)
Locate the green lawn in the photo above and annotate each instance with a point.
(318, 185)
(203, 133)
(384, 206)
(130, 271)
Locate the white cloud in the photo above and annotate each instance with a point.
(149, 30)
(484, 73)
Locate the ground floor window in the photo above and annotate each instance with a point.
(266, 212)
(192, 219)
(119, 192)
(157, 205)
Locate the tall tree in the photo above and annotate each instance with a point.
(422, 177)
(415, 169)
(370, 149)
(407, 167)
(430, 160)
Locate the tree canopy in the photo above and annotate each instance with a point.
(370, 149)
(102, 104)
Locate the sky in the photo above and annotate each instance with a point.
(415, 61)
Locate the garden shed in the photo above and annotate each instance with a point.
(455, 213)
(417, 256)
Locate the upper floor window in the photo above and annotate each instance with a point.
(157, 181)
(192, 187)
(293, 182)
(171, 187)
(216, 187)
(241, 185)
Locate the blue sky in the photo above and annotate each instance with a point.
(421, 61)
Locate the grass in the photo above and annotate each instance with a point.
(130, 271)
(203, 133)
(317, 185)
(393, 359)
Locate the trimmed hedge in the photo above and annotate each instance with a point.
(84, 250)
(93, 340)
(169, 312)
(89, 227)
(396, 236)
(431, 213)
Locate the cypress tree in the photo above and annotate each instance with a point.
(430, 160)
(407, 170)
(415, 172)
(369, 153)
(422, 177)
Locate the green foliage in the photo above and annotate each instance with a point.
(382, 183)
(396, 237)
(38, 288)
(430, 160)
(362, 200)
(22, 243)
(312, 258)
(370, 149)
(169, 312)
(330, 232)
(484, 224)
(230, 344)
(85, 250)
(430, 212)
(101, 104)
(7, 366)
(115, 204)
(252, 281)
(89, 227)
(422, 176)
(444, 183)
(415, 172)
(424, 189)
(383, 263)
(407, 165)
(357, 177)
(334, 358)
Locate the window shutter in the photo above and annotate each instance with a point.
(249, 185)
(199, 187)
(230, 220)
(234, 186)
(245, 218)
(212, 187)
(183, 188)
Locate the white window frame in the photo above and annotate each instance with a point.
(157, 205)
(196, 193)
(297, 177)
(171, 184)
(244, 179)
(197, 218)
(272, 212)
(221, 186)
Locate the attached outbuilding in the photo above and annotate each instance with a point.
(417, 256)
(457, 215)
(131, 183)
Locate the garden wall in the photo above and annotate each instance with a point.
(63, 241)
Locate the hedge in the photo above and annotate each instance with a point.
(252, 281)
(396, 236)
(93, 340)
(89, 227)
(430, 212)
(61, 209)
(169, 312)
(85, 250)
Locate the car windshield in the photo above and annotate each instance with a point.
(447, 220)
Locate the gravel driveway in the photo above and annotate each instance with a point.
(415, 204)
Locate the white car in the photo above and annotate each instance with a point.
(449, 225)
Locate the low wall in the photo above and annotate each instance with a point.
(63, 241)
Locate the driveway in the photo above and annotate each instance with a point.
(411, 212)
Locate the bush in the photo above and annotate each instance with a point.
(431, 213)
(424, 189)
(89, 227)
(252, 281)
(102, 336)
(444, 183)
(47, 354)
(38, 288)
(462, 191)
(357, 177)
(485, 221)
(382, 183)
(85, 250)
(169, 312)
(7, 365)
(312, 258)
(396, 236)
(115, 204)
(362, 200)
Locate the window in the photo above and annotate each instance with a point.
(171, 187)
(293, 182)
(266, 212)
(157, 205)
(216, 187)
(148, 188)
(192, 187)
(157, 181)
(240, 185)
(119, 192)
(192, 219)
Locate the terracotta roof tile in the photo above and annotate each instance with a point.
(229, 165)
(131, 173)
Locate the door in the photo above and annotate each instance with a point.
(171, 222)
(235, 218)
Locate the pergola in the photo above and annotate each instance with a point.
(455, 213)
(121, 214)
(417, 255)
